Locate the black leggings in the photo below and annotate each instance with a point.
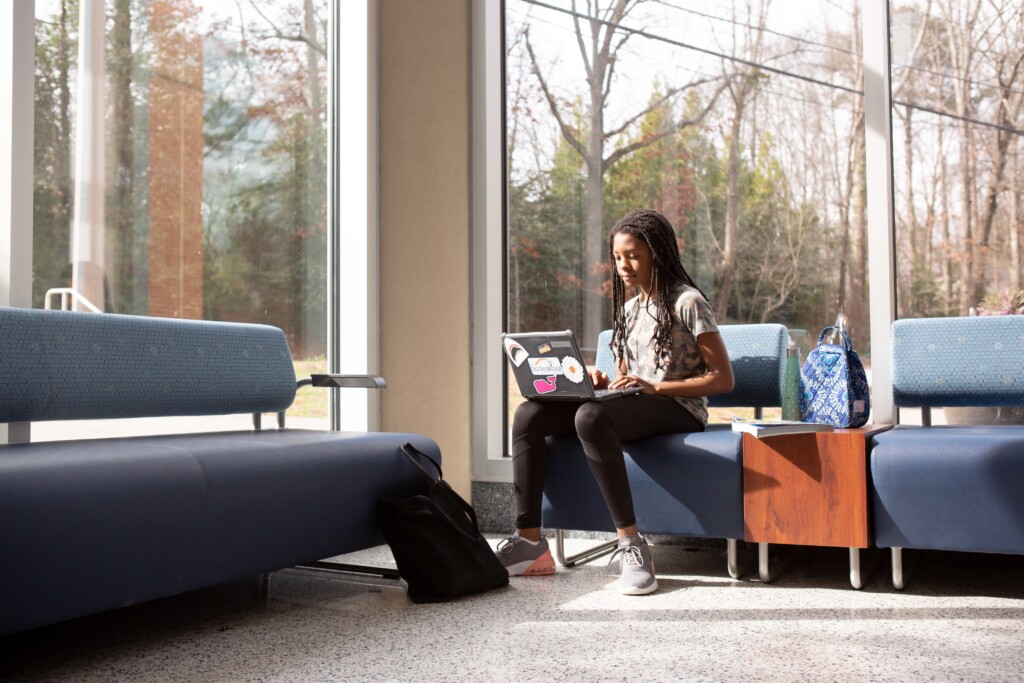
(600, 427)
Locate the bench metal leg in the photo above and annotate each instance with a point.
(762, 563)
(732, 553)
(580, 558)
(897, 569)
(261, 587)
(901, 572)
(732, 557)
(765, 571)
(385, 572)
(858, 575)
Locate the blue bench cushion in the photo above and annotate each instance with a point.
(98, 524)
(949, 488)
(682, 484)
(60, 365)
(958, 361)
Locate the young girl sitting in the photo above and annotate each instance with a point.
(666, 341)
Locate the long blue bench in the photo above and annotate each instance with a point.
(91, 525)
(952, 487)
(687, 485)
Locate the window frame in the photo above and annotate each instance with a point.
(489, 276)
(352, 184)
(488, 251)
(17, 123)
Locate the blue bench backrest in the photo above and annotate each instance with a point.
(58, 365)
(958, 361)
(758, 355)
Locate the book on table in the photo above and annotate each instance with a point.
(763, 428)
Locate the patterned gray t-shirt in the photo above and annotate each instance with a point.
(684, 356)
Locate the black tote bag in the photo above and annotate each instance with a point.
(436, 541)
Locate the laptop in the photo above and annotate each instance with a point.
(548, 366)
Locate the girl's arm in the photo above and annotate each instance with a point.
(717, 380)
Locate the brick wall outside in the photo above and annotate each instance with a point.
(175, 161)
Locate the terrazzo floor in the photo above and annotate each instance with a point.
(961, 618)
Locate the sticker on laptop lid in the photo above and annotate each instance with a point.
(545, 366)
(516, 353)
(546, 385)
(543, 347)
(561, 344)
(572, 369)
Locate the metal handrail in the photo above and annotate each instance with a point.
(67, 295)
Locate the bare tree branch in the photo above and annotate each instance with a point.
(622, 7)
(612, 61)
(295, 37)
(579, 39)
(567, 131)
(648, 141)
(669, 94)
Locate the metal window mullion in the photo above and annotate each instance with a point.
(17, 117)
(880, 211)
(353, 327)
(333, 209)
(488, 242)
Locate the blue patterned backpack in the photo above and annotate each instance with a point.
(834, 387)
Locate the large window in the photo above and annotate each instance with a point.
(180, 164)
(958, 142)
(742, 122)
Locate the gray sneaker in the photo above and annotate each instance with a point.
(636, 566)
(525, 558)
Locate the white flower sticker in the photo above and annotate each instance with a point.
(572, 369)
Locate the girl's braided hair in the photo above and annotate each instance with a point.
(659, 235)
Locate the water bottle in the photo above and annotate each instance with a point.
(791, 385)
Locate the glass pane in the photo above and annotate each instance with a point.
(742, 124)
(185, 176)
(958, 139)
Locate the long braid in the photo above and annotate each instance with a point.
(660, 237)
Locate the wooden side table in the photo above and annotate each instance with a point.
(808, 489)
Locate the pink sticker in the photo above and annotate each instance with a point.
(546, 385)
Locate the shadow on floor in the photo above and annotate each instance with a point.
(308, 620)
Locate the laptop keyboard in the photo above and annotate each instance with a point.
(600, 393)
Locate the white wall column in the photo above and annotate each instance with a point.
(880, 214)
(488, 249)
(353, 298)
(88, 229)
(17, 80)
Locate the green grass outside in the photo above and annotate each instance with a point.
(309, 401)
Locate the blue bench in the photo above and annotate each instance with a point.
(683, 484)
(952, 487)
(91, 525)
